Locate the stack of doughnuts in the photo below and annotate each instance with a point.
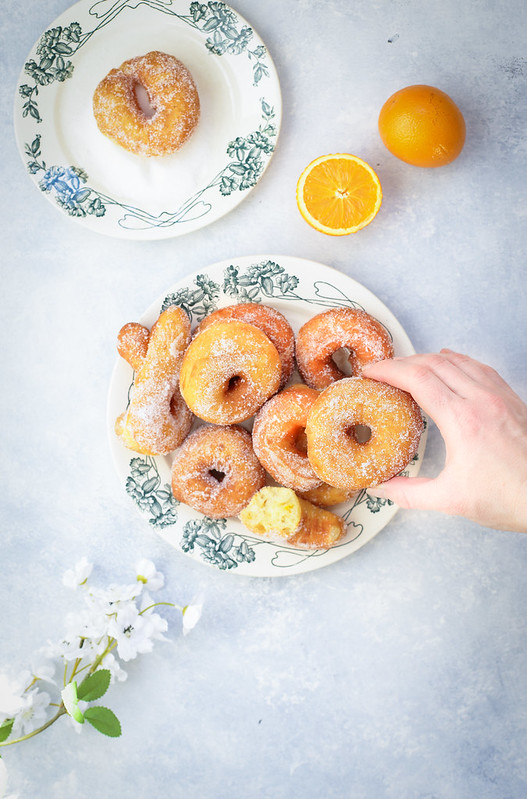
(258, 431)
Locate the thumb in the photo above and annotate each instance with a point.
(416, 493)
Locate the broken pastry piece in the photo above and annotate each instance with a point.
(277, 513)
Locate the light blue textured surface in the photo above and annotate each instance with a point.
(401, 671)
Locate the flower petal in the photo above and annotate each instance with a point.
(191, 616)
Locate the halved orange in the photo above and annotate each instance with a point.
(338, 194)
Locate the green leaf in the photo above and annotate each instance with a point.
(5, 729)
(104, 720)
(94, 686)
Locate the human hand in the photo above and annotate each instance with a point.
(484, 425)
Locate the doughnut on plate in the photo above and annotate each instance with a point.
(97, 183)
(299, 289)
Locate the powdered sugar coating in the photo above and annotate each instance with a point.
(215, 471)
(229, 370)
(326, 333)
(171, 93)
(269, 320)
(157, 419)
(278, 430)
(395, 422)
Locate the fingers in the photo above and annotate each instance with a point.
(484, 375)
(416, 493)
(435, 380)
(416, 375)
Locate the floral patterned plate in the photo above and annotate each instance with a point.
(104, 187)
(299, 289)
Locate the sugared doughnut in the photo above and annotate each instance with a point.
(215, 471)
(277, 513)
(339, 329)
(172, 96)
(272, 322)
(394, 421)
(157, 419)
(229, 370)
(279, 437)
(326, 496)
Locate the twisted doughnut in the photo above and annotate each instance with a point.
(157, 419)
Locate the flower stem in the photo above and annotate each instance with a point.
(61, 711)
(155, 604)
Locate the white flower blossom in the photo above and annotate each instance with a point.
(32, 714)
(155, 626)
(90, 622)
(146, 601)
(11, 699)
(42, 668)
(115, 624)
(115, 594)
(77, 576)
(134, 632)
(77, 648)
(191, 615)
(147, 574)
(114, 667)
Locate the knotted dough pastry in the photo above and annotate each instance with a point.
(157, 419)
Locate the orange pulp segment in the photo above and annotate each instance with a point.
(338, 194)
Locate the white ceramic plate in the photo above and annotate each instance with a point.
(299, 289)
(102, 186)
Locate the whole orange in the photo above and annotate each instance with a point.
(422, 126)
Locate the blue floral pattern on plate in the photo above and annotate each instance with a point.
(52, 62)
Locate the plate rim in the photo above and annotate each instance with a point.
(164, 225)
(309, 557)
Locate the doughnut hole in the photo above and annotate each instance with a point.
(343, 360)
(235, 386)
(143, 101)
(297, 440)
(217, 475)
(361, 433)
